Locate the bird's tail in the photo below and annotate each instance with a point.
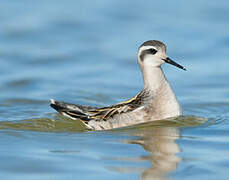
(71, 110)
(58, 106)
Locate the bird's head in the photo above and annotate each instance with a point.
(152, 53)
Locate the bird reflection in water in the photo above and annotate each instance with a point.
(162, 147)
(160, 143)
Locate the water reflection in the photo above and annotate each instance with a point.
(162, 147)
(159, 139)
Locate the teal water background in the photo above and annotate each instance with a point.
(85, 52)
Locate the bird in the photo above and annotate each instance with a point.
(156, 101)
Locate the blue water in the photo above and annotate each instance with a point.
(85, 52)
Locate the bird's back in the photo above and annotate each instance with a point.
(118, 115)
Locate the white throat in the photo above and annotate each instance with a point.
(163, 97)
(154, 78)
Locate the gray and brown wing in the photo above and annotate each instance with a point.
(87, 113)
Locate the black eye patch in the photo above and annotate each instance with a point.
(152, 51)
(147, 51)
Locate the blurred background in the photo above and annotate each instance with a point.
(86, 52)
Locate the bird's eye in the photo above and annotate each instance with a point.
(153, 51)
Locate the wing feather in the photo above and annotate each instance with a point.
(87, 113)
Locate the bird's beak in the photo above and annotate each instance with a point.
(170, 61)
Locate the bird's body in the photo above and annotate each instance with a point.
(155, 102)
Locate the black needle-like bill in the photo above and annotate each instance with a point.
(170, 61)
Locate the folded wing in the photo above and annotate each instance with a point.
(87, 113)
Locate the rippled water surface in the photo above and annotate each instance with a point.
(85, 52)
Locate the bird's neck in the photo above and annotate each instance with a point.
(154, 78)
(163, 97)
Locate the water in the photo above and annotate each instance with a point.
(85, 52)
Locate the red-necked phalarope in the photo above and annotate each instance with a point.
(155, 102)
